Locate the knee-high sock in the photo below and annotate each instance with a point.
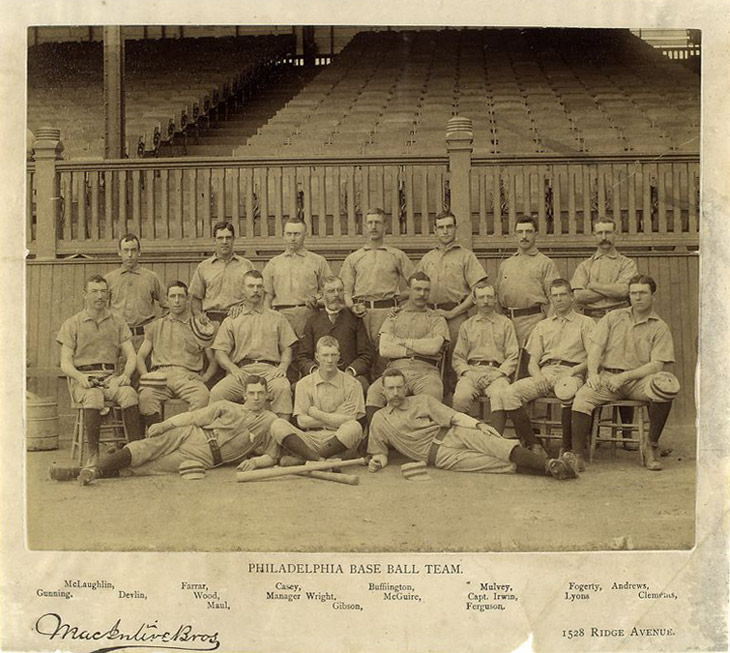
(566, 418)
(498, 419)
(154, 418)
(627, 416)
(133, 423)
(523, 426)
(525, 458)
(115, 461)
(332, 447)
(92, 426)
(581, 427)
(294, 444)
(658, 414)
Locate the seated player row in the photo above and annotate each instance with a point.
(561, 347)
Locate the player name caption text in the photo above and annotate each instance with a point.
(203, 593)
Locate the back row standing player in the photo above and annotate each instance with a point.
(524, 282)
(454, 271)
(133, 290)
(375, 278)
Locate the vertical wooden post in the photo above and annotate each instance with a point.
(48, 149)
(459, 141)
(114, 141)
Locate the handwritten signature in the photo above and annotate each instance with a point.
(52, 625)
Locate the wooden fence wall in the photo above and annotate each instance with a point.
(53, 293)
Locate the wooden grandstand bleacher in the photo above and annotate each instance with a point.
(172, 88)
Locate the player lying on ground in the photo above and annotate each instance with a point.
(219, 434)
(423, 429)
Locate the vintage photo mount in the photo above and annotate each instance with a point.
(686, 604)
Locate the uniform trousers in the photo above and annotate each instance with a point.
(421, 378)
(472, 450)
(182, 383)
(229, 389)
(467, 389)
(297, 318)
(526, 390)
(587, 399)
(373, 320)
(94, 398)
(450, 379)
(162, 454)
(348, 433)
(524, 324)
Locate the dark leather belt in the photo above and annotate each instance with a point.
(377, 303)
(250, 361)
(214, 448)
(445, 306)
(280, 306)
(484, 363)
(600, 312)
(521, 312)
(613, 370)
(96, 367)
(558, 361)
(423, 359)
(217, 316)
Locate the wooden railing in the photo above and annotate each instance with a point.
(654, 199)
(83, 207)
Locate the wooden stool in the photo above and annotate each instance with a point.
(639, 426)
(549, 422)
(112, 429)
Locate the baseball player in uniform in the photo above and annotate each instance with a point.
(426, 430)
(524, 281)
(485, 356)
(219, 434)
(628, 351)
(257, 341)
(217, 282)
(91, 342)
(454, 271)
(133, 290)
(558, 347)
(601, 284)
(293, 280)
(176, 352)
(412, 340)
(374, 277)
(336, 320)
(327, 406)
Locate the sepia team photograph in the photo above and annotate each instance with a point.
(361, 289)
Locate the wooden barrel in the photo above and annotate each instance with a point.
(41, 423)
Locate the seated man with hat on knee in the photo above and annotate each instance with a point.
(558, 346)
(178, 345)
(628, 352)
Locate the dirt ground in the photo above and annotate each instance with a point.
(615, 504)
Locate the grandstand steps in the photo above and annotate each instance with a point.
(222, 136)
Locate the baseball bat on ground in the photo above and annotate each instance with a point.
(273, 472)
(335, 477)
